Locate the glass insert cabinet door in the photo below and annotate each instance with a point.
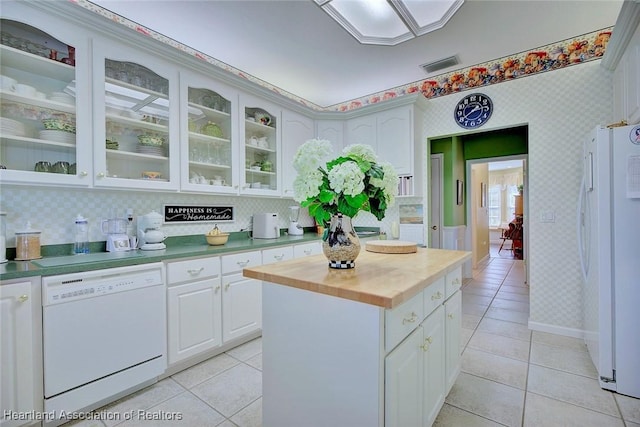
(210, 157)
(135, 144)
(40, 134)
(261, 143)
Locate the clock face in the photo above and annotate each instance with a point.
(473, 111)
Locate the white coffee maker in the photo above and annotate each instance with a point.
(294, 228)
(150, 236)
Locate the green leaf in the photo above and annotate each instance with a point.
(356, 201)
(326, 196)
(376, 171)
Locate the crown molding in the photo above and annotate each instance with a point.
(626, 26)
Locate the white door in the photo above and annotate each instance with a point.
(403, 383)
(16, 352)
(194, 320)
(434, 374)
(241, 306)
(435, 222)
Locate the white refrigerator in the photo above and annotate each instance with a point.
(609, 245)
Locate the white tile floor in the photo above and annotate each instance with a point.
(510, 375)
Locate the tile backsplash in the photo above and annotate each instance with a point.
(53, 211)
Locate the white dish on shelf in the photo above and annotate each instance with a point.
(12, 127)
(62, 98)
(58, 136)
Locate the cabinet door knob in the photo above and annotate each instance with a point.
(308, 251)
(101, 175)
(410, 319)
(23, 298)
(279, 257)
(226, 287)
(456, 281)
(450, 315)
(243, 263)
(84, 173)
(436, 296)
(217, 289)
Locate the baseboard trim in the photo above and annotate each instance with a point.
(555, 329)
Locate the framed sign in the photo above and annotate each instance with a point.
(180, 214)
(459, 192)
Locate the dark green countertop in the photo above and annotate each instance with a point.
(54, 260)
(177, 247)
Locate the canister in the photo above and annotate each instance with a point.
(3, 237)
(28, 244)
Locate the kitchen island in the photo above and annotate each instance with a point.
(378, 345)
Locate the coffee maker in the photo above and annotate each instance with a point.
(149, 234)
(294, 227)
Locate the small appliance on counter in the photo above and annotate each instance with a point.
(294, 227)
(116, 231)
(265, 226)
(149, 234)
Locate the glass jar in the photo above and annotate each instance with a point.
(3, 237)
(28, 244)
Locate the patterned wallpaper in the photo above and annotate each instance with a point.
(53, 211)
(560, 108)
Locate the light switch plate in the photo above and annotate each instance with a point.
(548, 216)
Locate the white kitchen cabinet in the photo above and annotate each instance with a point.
(452, 329)
(44, 101)
(136, 105)
(296, 130)
(404, 382)
(20, 350)
(241, 296)
(394, 365)
(433, 349)
(279, 254)
(194, 307)
(307, 249)
(626, 83)
(397, 135)
(260, 142)
(209, 122)
(332, 131)
(362, 130)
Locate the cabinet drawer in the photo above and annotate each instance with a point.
(307, 249)
(453, 281)
(400, 321)
(236, 262)
(182, 271)
(433, 296)
(281, 253)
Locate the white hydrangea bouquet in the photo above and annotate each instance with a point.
(353, 182)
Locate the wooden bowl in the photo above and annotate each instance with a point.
(217, 239)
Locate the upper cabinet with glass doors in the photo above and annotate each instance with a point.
(260, 151)
(136, 142)
(44, 132)
(209, 124)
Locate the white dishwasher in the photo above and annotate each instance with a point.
(104, 334)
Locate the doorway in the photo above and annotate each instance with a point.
(497, 208)
(485, 223)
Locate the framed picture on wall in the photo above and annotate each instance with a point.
(483, 195)
(459, 192)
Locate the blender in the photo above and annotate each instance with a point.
(116, 231)
(294, 227)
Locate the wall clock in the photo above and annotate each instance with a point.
(473, 111)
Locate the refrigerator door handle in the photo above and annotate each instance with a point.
(580, 219)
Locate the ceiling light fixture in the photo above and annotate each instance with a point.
(389, 22)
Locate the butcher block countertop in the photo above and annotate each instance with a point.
(384, 280)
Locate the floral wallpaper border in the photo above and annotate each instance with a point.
(576, 50)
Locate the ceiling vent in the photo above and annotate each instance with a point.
(440, 64)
